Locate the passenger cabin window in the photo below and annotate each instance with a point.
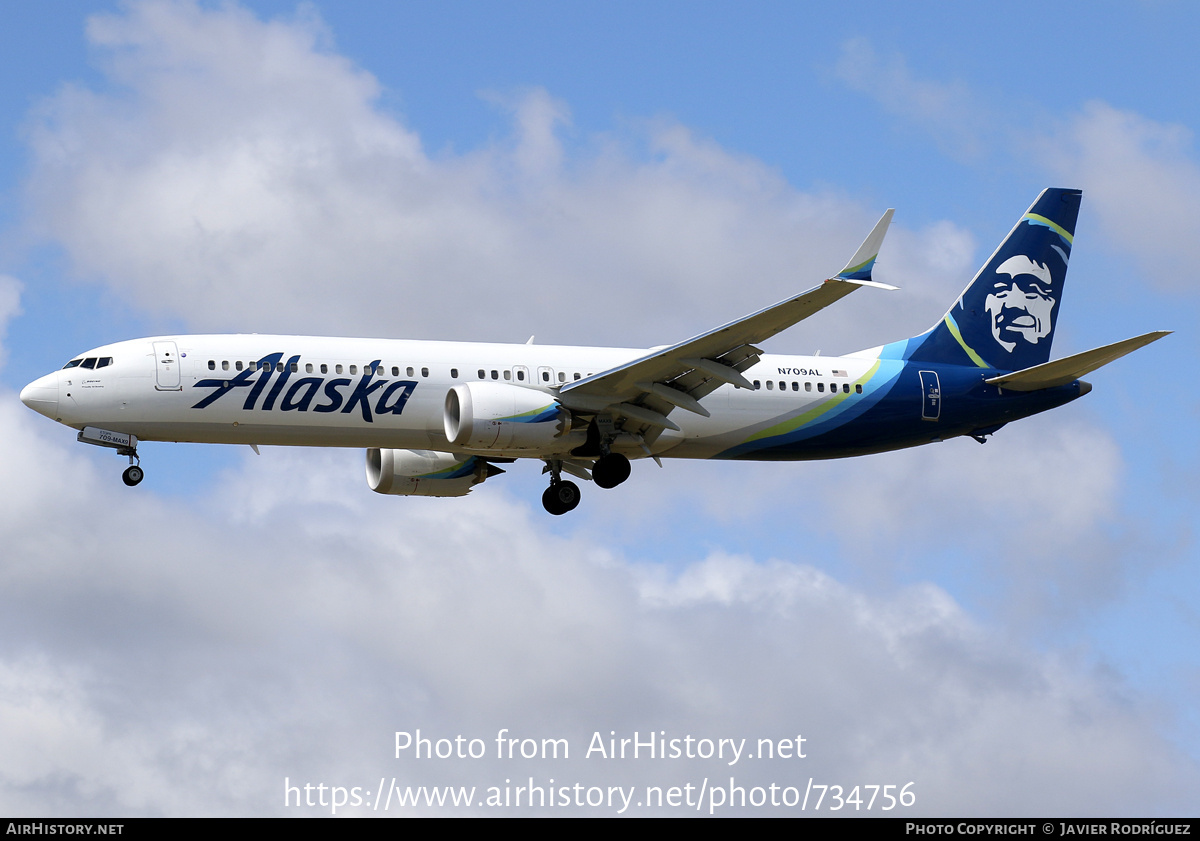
(395, 370)
(578, 376)
(858, 388)
(808, 386)
(353, 369)
(545, 376)
(507, 374)
(238, 365)
(424, 372)
(482, 374)
(495, 374)
(757, 385)
(308, 367)
(520, 375)
(821, 387)
(324, 368)
(845, 388)
(770, 385)
(337, 369)
(795, 386)
(454, 373)
(212, 365)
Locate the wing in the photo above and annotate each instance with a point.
(643, 392)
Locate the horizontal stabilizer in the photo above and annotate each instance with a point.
(1063, 371)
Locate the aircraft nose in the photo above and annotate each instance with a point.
(41, 395)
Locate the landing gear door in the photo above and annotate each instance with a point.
(166, 367)
(931, 394)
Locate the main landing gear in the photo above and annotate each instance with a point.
(610, 470)
(562, 496)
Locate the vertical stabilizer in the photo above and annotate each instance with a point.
(1005, 318)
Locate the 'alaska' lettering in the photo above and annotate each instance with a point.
(301, 393)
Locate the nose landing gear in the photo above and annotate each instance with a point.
(124, 443)
(133, 474)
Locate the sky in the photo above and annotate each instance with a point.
(1005, 630)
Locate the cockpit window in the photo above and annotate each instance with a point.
(90, 362)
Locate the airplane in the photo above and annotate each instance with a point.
(438, 418)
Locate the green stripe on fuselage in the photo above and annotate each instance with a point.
(524, 416)
(812, 414)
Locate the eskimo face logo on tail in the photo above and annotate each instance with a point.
(318, 393)
(1021, 303)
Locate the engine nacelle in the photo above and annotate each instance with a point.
(499, 416)
(425, 472)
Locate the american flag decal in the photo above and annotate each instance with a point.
(838, 373)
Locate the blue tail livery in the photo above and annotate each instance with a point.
(1005, 318)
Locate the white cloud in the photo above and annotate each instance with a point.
(10, 306)
(239, 176)
(1035, 511)
(1140, 175)
(1142, 178)
(170, 659)
(947, 110)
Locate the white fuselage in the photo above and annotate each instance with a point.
(318, 393)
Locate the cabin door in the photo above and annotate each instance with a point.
(166, 367)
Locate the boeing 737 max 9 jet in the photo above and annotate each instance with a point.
(436, 418)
